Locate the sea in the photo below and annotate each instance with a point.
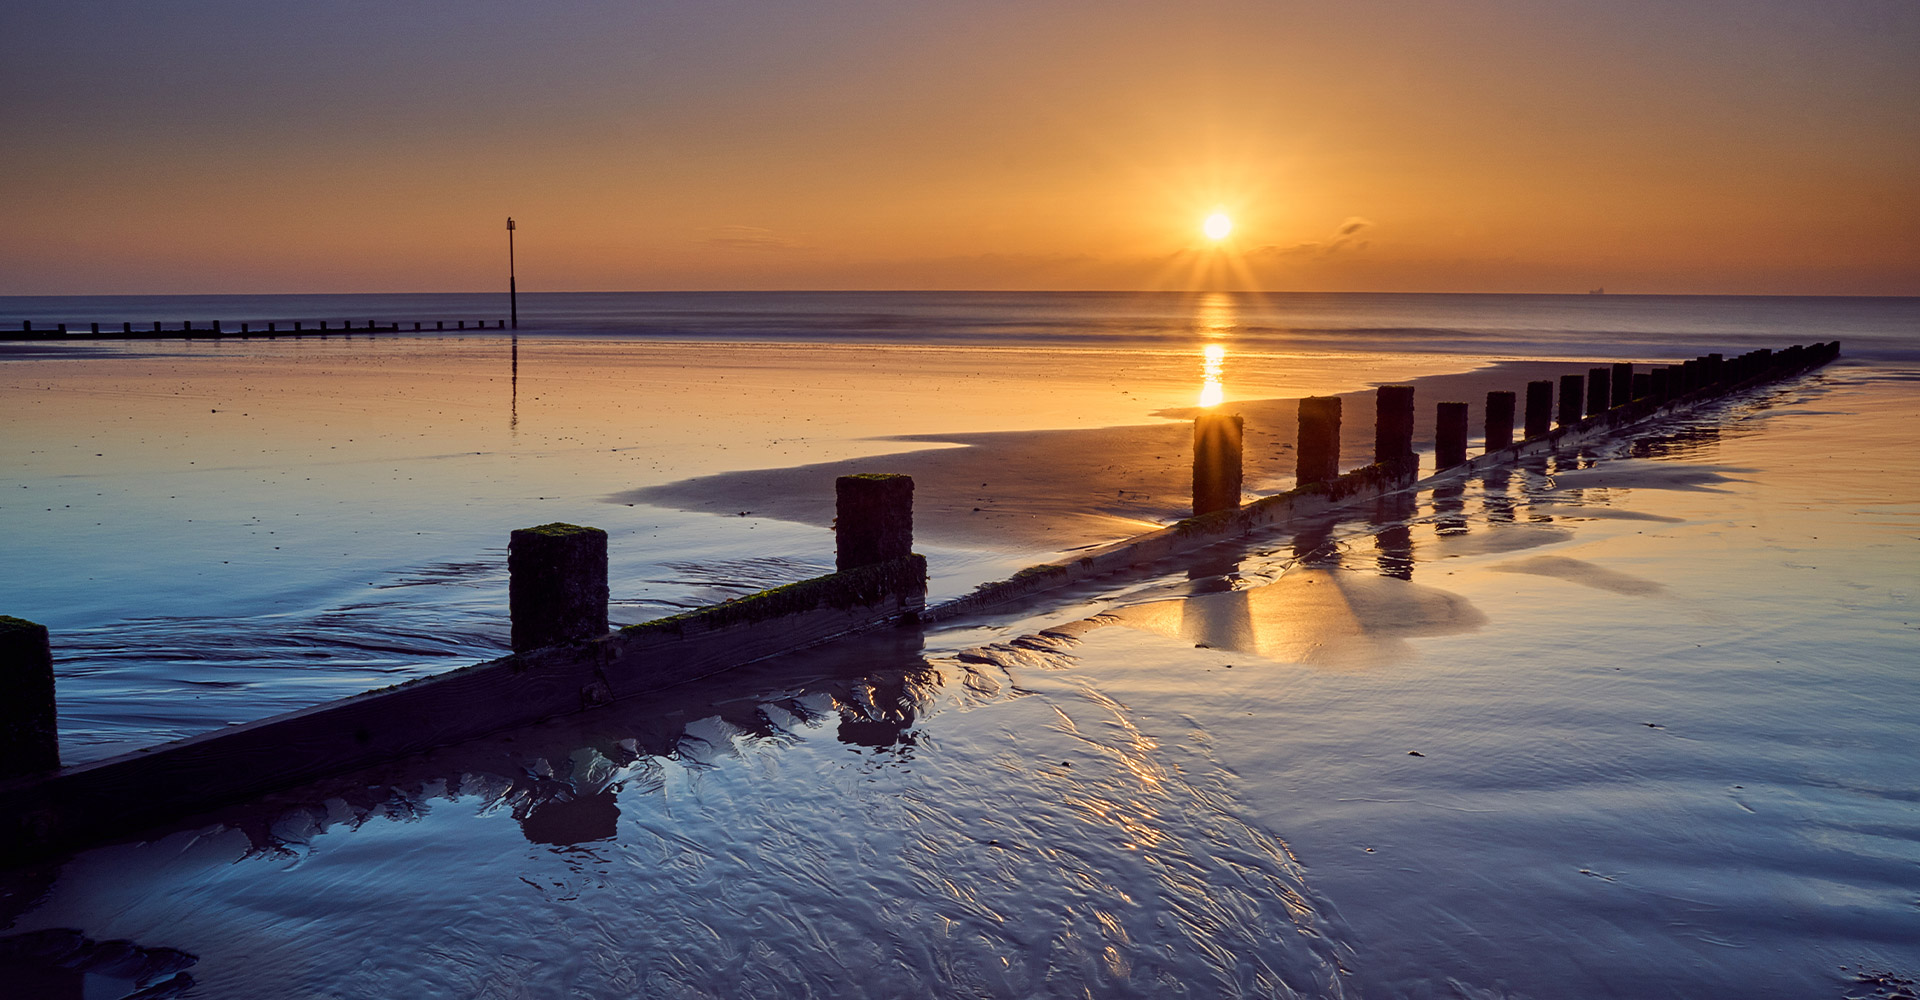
(1632, 721)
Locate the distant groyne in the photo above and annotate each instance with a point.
(216, 329)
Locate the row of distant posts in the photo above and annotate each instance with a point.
(214, 328)
(1217, 437)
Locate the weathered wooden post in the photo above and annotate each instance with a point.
(1216, 461)
(873, 519)
(1622, 383)
(1572, 395)
(96, 328)
(1539, 408)
(1499, 420)
(1660, 384)
(1642, 385)
(127, 327)
(556, 584)
(1393, 425)
(1450, 435)
(1317, 453)
(1599, 394)
(1716, 368)
(29, 731)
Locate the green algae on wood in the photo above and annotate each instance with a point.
(864, 586)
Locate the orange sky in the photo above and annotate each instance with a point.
(202, 146)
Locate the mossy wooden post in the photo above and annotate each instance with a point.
(873, 519)
(1393, 425)
(1216, 461)
(1317, 453)
(1573, 396)
(29, 733)
(1499, 428)
(1622, 383)
(1599, 393)
(1539, 408)
(1450, 435)
(556, 584)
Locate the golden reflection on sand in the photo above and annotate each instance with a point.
(1325, 617)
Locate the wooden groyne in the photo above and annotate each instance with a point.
(569, 663)
(217, 329)
(566, 661)
(1592, 415)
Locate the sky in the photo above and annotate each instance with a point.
(1685, 146)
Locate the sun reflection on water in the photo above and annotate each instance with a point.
(1214, 358)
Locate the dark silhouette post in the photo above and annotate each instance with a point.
(1499, 420)
(556, 584)
(1622, 383)
(1216, 462)
(1450, 435)
(513, 290)
(1317, 455)
(1393, 426)
(1539, 408)
(873, 519)
(1599, 394)
(1572, 396)
(29, 735)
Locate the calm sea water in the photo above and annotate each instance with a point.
(1492, 325)
(1631, 723)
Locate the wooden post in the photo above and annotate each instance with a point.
(1450, 436)
(1216, 462)
(439, 324)
(1572, 395)
(29, 732)
(1642, 385)
(96, 328)
(1599, 394)
(1317, 452)
(1539, 408)
(873, 519)
(1660, 384)
(1499, 420)
(1622, 383)
(1393, 425)
(556, 584)
(127, 327)
(1716, 369)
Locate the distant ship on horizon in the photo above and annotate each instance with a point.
(1597, 291)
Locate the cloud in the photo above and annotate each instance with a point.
(1343, 238)
(750, 238)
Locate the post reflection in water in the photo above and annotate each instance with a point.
(513, 382)
(1393, 541)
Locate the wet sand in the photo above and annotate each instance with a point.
(1051, 491)
(1579, 729)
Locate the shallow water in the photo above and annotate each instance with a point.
(219, 531)
(1631, 723)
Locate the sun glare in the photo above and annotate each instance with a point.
(1217, 226)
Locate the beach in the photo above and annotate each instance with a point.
(1632, 721)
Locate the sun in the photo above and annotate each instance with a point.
(1217, 226)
